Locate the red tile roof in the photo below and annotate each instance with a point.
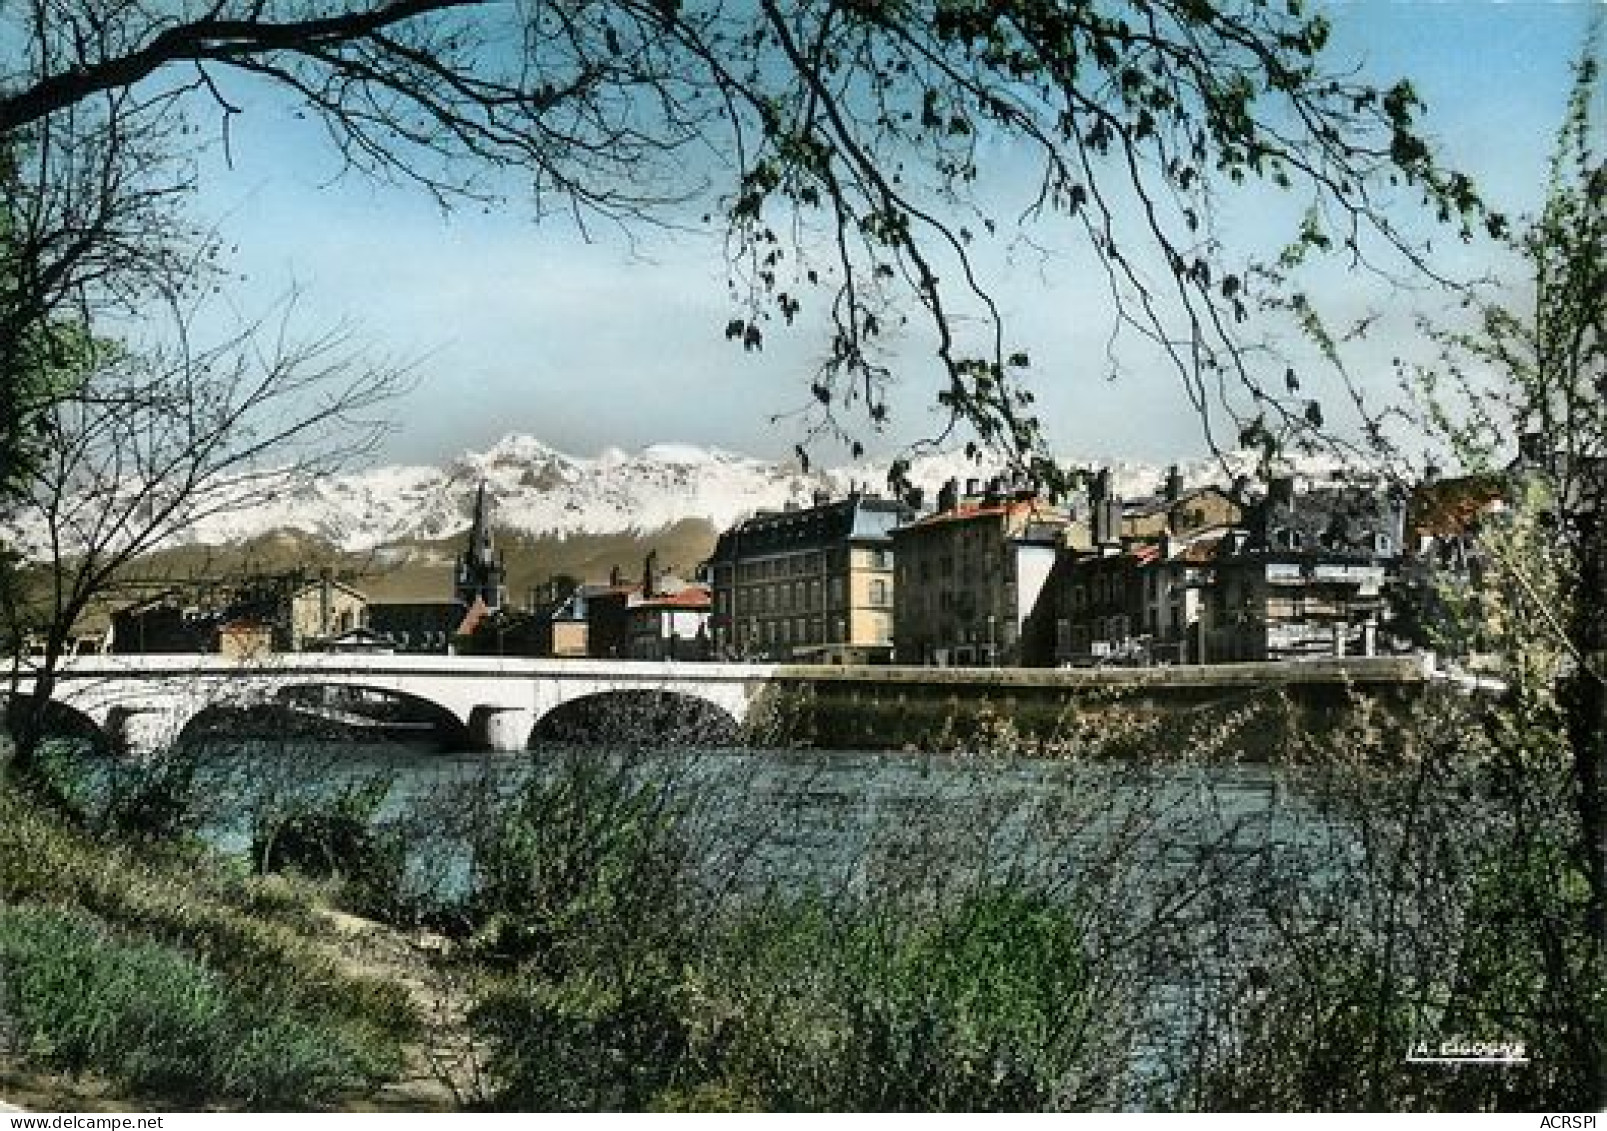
(477, 612)
(694, 597)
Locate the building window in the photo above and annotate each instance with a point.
(878, 593)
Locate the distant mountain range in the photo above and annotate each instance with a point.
(540, 492)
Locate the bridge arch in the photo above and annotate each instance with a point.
(314, 708)
(63, 720)
(637, 716)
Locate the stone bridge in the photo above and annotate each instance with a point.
(143, 702)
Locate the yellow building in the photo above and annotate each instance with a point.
(808, 584)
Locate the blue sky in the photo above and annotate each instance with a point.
(519, 326)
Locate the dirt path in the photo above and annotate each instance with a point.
(444, 1069)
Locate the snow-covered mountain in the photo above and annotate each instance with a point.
(538, 490)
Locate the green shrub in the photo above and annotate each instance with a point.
(587, 864)
(583, 1044)
(207, 911)
(153, 799)
(327, 836)
(983, 1005)
(803, 1006)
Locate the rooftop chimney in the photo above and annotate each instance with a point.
(1174, 484)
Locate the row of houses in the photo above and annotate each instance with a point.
(994, 573)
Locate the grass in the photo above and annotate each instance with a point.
(232, 972)
(158, 1022)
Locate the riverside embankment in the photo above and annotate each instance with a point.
(922, 708)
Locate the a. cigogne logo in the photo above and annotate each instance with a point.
(1459, 1051)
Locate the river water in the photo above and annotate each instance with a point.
(822, 820)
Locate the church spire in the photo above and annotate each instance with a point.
(480, 574)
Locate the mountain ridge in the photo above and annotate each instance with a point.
(539, 491)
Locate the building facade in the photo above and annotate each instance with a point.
(671, 626)
(1099, 604)
(970, 574)
(1309, 576)
(810, 585)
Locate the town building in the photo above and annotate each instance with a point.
(670, 626)
(607, 616)
(417, 626)
(284, 613)
(163, 623)
(1178, 511)
(244, 636)
(316, 612)
(1176, 581)
(969, 575)
(812, 584)
(1134, 596)
(1308, 575)
(567, 618)
(1098, 605)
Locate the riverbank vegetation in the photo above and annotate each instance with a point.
(619, 928)
(169, 974)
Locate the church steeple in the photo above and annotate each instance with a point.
(481, 575)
